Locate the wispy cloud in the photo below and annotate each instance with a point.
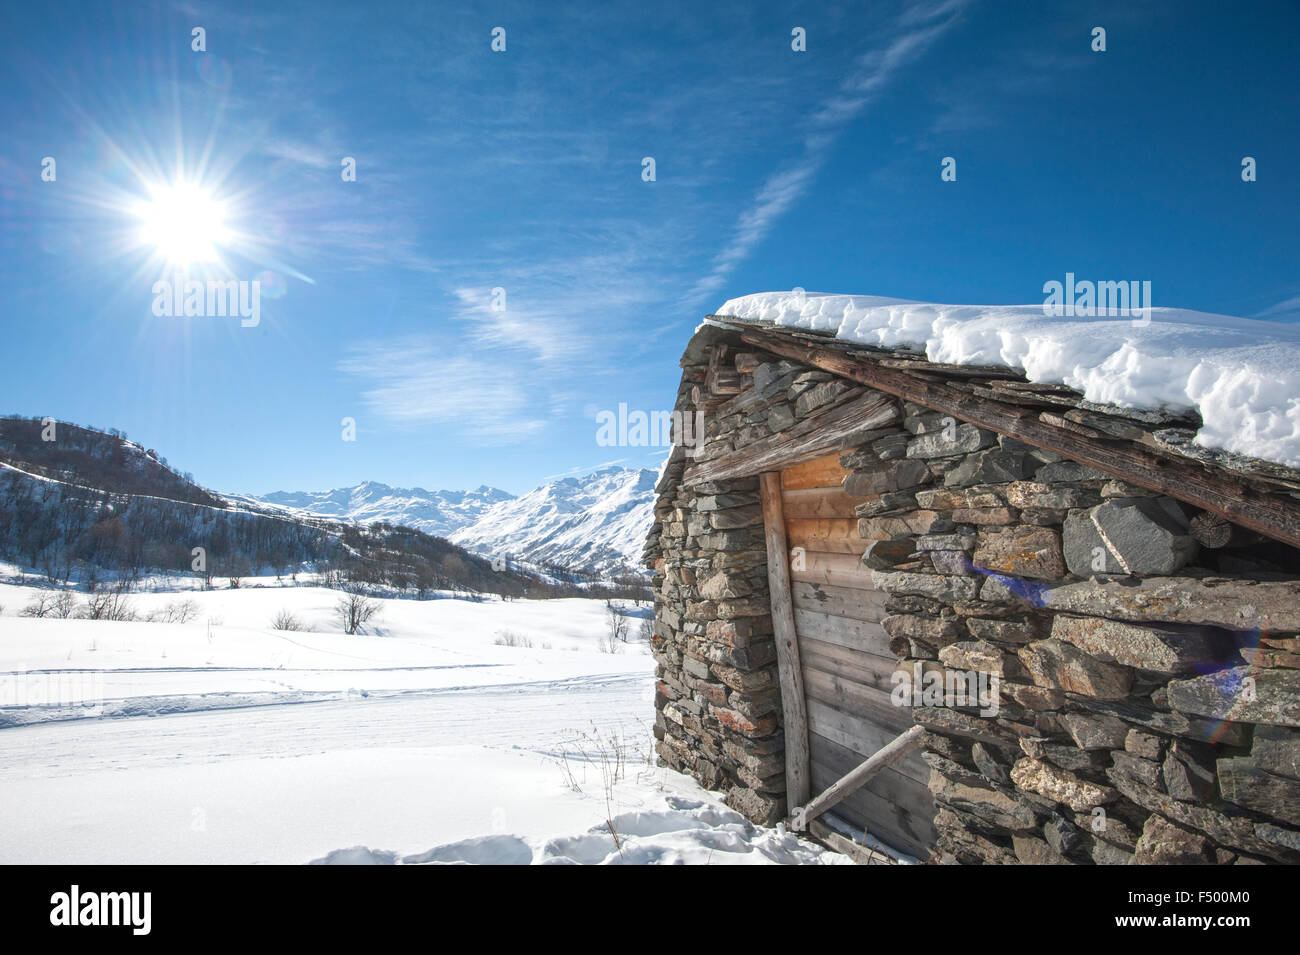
(1287, 307)
(414, 384)
(919, 25)
(541, 331)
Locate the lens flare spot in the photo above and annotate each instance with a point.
(272, 284)
(215, 71)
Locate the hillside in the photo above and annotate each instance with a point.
(87, 457)
(90, 506)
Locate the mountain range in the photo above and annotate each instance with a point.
(595, 523)
(434, 512)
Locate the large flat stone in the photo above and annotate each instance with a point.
(1059, 785)
(1163, 650)
(725, 586)
(886, 476)
(946, 442)
(973, 655)
(1128, 536)
(890, 503)
(1024, 494)
(1095, 732)
(1022, 551)
(991, 805)
(765, 810)
(1163, 843)
(946, 498)
(926, 585)
(1189, 772)
(958, 838)
(1234, 604)
(1086, 554)
(937, 632)
(1059, 665)
(1007, 631)
(818, 396)
(1242, 694)
(1228, 826)
(878, 528)
(1142, 712)
(1145, 771)
(992, 466)
(1277, 750)
(1030, 850)
(1245, 784)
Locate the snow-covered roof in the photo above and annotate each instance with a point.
(1241, 376)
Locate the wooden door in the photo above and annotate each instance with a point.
(845, 660)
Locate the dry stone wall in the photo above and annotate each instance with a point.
(1148, 691)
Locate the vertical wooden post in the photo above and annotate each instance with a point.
(793, 706)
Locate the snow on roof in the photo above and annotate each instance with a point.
(1241, 375)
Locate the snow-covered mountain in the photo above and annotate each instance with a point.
(434, 512)
(598, 522)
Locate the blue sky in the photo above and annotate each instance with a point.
(523, 170)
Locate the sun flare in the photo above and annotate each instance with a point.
(184, 223)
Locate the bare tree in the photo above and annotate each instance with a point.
(355, 610)
(108, 605)
(63, 605)
(618, 625)
(176, 611)
(616, 629)
(42, 606)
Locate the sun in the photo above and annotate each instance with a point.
(184, 223)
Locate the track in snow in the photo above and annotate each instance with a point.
(539, 717)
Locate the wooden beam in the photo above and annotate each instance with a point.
(1214, 531)
(793, 707)
(1275, 515)
(819, 472)
(850, 783)
(860, 854)
(809, 438)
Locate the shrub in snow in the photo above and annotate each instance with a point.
(355, 610)
(107, 605)
(177, 611)
(40, 607)
(284, 620)
(508, 638)
(63, 606)
(51, 605)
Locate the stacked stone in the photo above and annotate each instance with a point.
(718, 701)
(1107, 745)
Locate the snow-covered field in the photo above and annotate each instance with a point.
(425, 739)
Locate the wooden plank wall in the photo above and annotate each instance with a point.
(846, 660)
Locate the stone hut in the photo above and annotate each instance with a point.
(847, 539)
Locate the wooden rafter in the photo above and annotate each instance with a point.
(810, 438)
(1273, 514)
